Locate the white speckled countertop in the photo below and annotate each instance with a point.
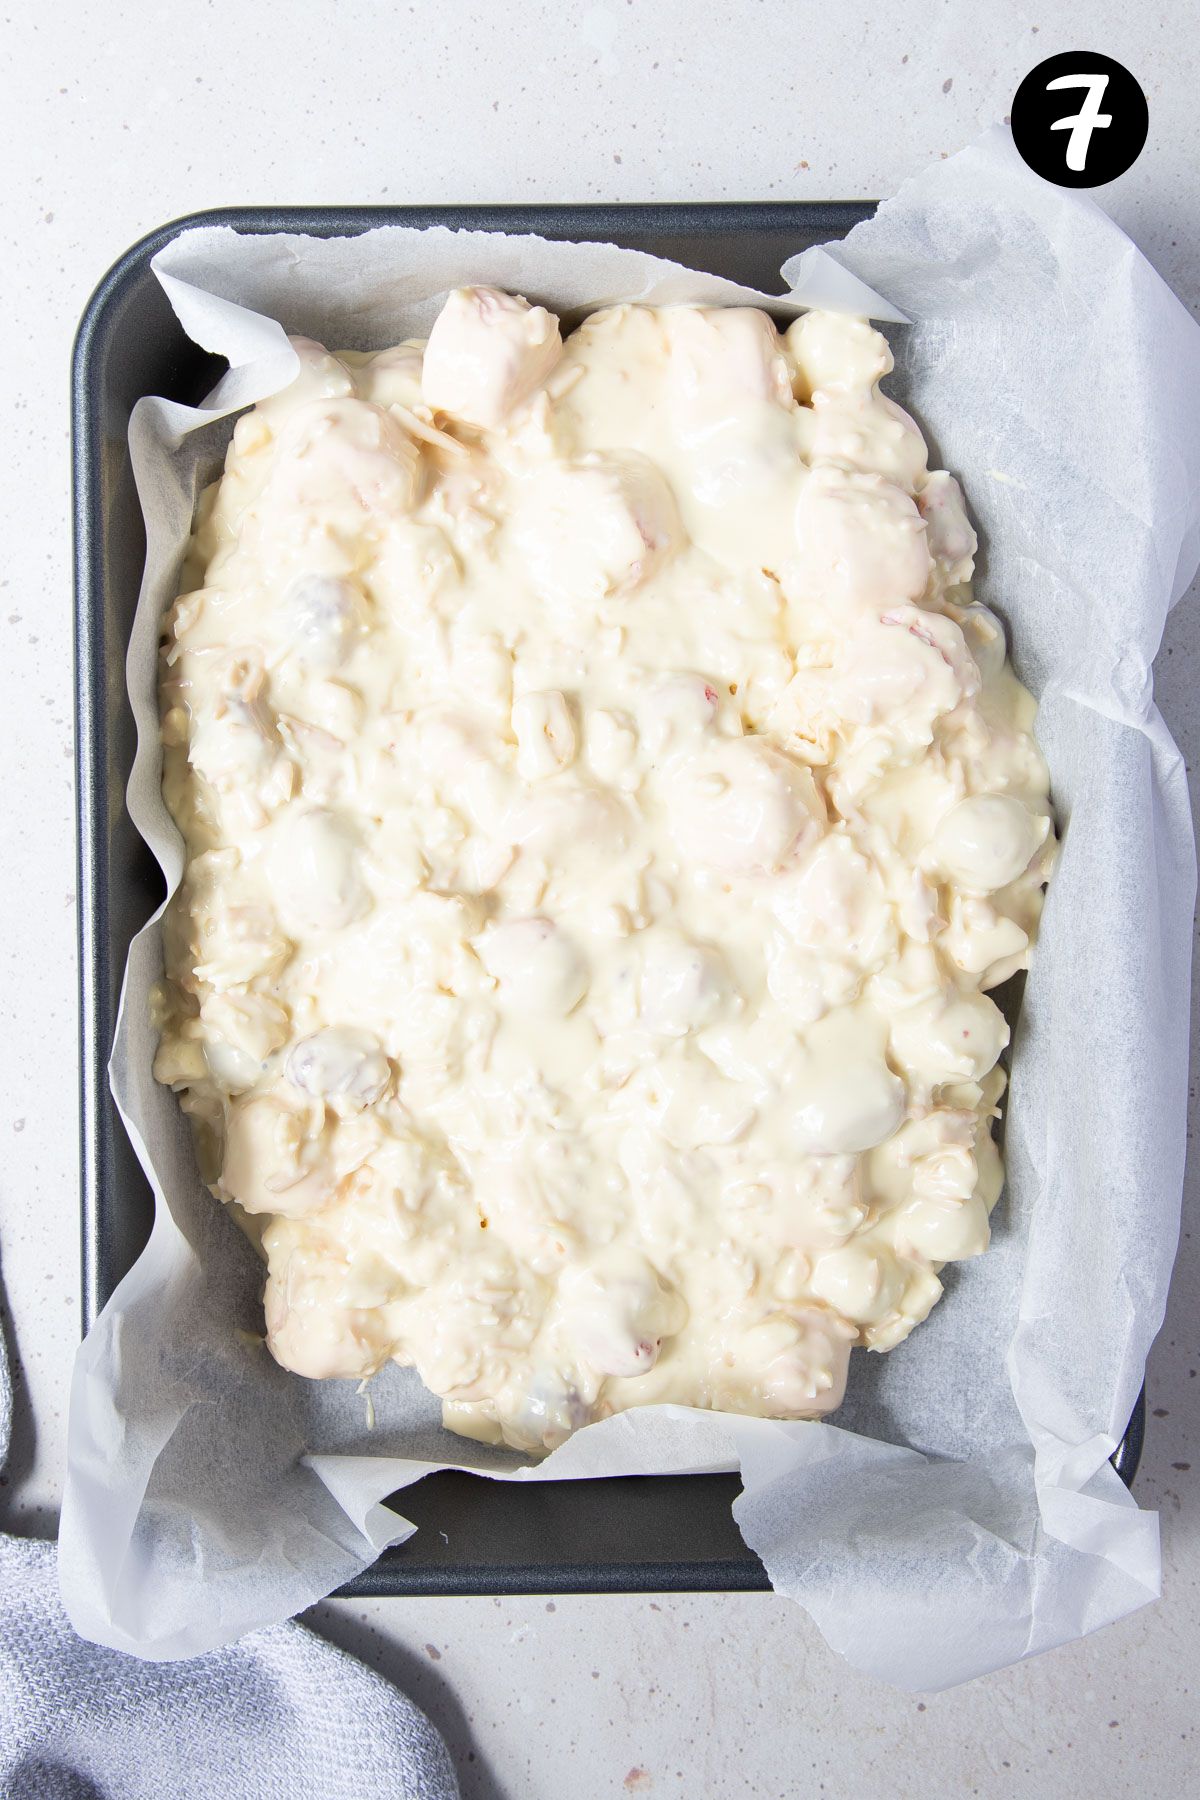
(121, 119)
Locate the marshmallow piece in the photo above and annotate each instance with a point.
(901, 673)
(987, 841)
(545, 735)
(978, 937)
(536, 1412)
(327, 616)
(487, 353)
(321, 376)
(835, 903)
(553, 818)
(862, 1281)
(948, 531)
(683, 985)
(691, 1103)
(536, 965)
(942, 1231)
(985, 639)
(596, 528)
(861, 542)
(234, 740)
(340, 1063)
(740, 806)
(343, 459)
(679, 711)
(868, 432)
(312, 1327)
(240, 1033)
(797, 1361)
(722, 360)
(848, 1109)
(840, 1095)
(393, 377)
(947, 1040)
(617, 1311)
(835, 354)
(315, 869)
(271, 1164)
(611, 746)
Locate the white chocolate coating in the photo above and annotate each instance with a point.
(605, 813)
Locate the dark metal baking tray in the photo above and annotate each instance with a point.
(634, 1534)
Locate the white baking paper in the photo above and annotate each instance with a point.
(962, 1512)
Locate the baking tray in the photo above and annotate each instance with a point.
(635, 1533)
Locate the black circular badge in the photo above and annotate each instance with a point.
(1079, 119)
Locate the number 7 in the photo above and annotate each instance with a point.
(1089, 118)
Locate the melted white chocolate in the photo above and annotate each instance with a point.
(605, 811)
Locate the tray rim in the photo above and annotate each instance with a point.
(724, 217)
(605, 219)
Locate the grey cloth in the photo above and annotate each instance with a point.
(280, 1714)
